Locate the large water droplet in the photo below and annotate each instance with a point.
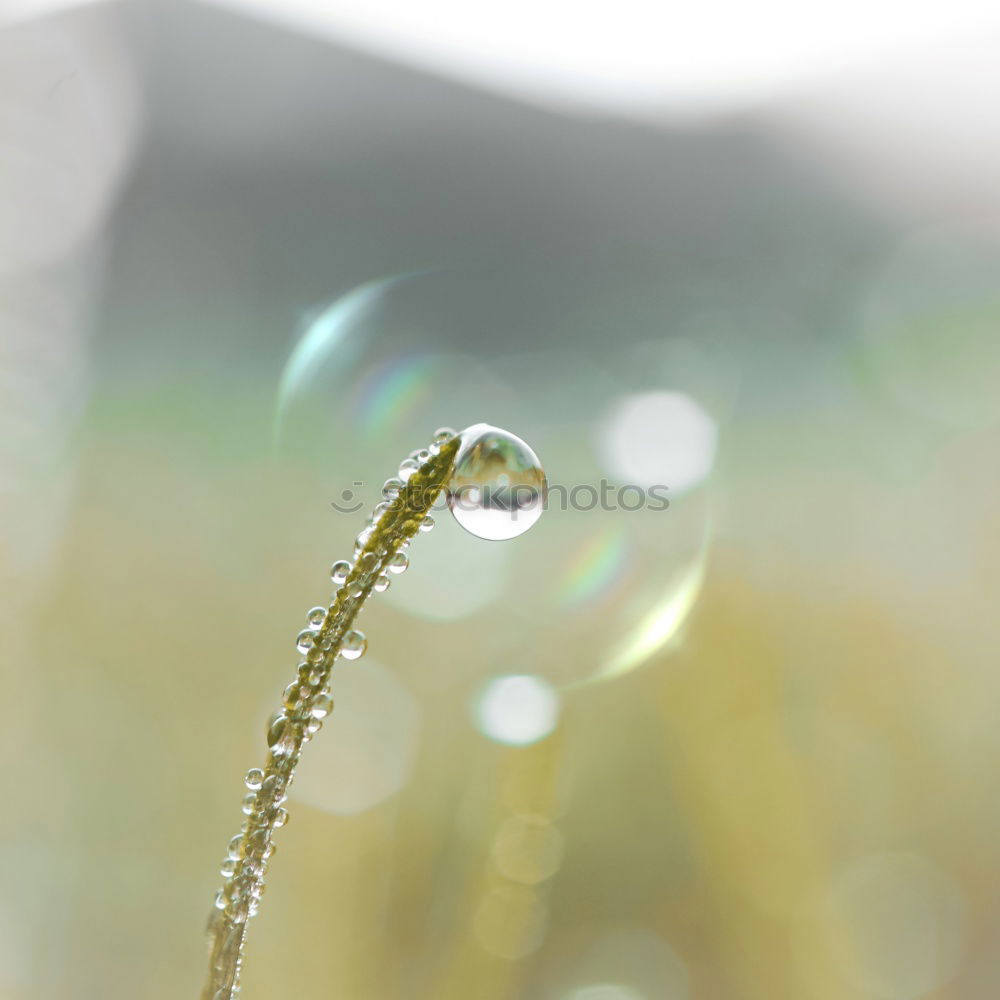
(497, 489)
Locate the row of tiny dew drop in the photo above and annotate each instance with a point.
(379, 552)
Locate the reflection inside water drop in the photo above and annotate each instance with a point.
(497, 489)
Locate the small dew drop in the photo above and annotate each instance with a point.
(305, 640)
(322, 706)
(316, 617)
(235, 846)
(398, 563)
(279, 735)
(291, 696)
(427, 524)
(254, 779)
(249, 803)
(354, 645)
(443, 435)
(281, 817)
(227, 868)
(362, 539)
(391, 488)
(381, 584)
(339, 571)
(497, 488)
(273, 790)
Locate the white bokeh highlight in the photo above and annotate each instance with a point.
(518, 709)
(628, 963)
(908, 925)
(658, 438)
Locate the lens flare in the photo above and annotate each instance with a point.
(596, 570)
(391, 390)
(663, 623)
(335, 331)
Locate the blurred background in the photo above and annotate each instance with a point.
(740, 749)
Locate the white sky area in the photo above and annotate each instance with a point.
(633, 55)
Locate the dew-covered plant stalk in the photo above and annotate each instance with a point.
(306, 702)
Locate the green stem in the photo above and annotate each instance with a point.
(292, 727)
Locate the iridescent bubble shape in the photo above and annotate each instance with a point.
(497, 489)
(611, 581)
